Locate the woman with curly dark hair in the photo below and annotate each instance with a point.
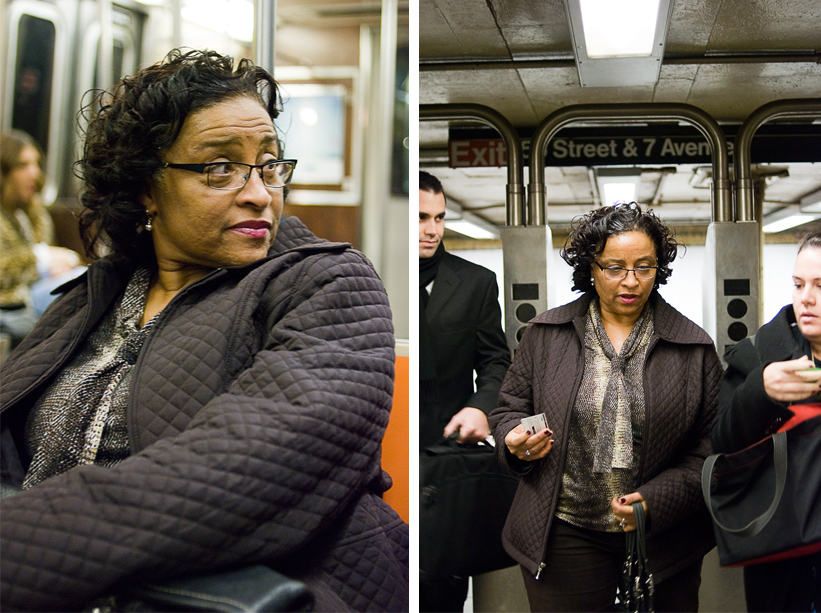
(629, 387)
(213, 392)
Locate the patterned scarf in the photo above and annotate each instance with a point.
(614, 439)
(81, 418)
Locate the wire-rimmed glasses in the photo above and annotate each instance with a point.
(234, 175)
(617, 273)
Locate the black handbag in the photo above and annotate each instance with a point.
(766, 499)
(465, 496)
(252, 589)
(635, 587)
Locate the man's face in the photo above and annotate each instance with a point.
(431, 222)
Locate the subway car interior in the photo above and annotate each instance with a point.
(343, 71)
(342, 67)
(715, 125)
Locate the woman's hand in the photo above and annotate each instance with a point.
(528, 446)
(622, 508)
(785, 381)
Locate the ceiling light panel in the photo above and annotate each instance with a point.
(618, 44)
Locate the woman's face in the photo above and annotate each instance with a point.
(806, 297)
(23, 182)
(624, 299)
(195, 226)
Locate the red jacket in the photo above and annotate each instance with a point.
(681, 384)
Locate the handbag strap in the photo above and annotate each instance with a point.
(638, 511)
(757, 524)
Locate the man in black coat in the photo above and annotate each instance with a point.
(460, 333)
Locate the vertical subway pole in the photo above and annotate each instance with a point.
(106, 46)
(264, 49)
(176, 21)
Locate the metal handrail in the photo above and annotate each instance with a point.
(797, 108)
(721, 188)
(514, 204)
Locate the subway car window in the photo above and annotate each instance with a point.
(400, 158)
(34, 76)
(117, 58)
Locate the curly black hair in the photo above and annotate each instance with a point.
(130, 128)
(589, 234)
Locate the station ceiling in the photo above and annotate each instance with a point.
(726, 57)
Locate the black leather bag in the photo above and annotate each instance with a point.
(635, 587)
(766, 499)
(464, 500)
(252, 589)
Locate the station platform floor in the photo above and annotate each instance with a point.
(503, 591)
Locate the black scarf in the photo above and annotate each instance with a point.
(428, 388)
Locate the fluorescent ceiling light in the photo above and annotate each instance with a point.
(617, 184)
(232, 17)
(468, 229)
(619, 29)
(618, 44)
(618, 192)
(467, 223)
(786, 218)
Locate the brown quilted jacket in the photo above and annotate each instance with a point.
(256, 413)
(681, 384)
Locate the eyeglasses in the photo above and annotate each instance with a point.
(234, 175)
(616, 273)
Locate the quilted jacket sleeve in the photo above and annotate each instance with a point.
(673, 493)
(257, 474)
(515, 402)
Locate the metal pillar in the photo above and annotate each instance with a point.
(528, 265)
(731, 283)
(264, 48)
(732, 262)
(106, 47)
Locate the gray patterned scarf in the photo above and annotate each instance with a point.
(81, 418)
(614, 439)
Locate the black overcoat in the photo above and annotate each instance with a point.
(464, 318)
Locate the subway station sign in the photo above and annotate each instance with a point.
(655, 144)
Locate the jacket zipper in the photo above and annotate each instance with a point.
(579, 376)
(164, 316)
(646, 426)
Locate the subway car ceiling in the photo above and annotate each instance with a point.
(726, 57)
